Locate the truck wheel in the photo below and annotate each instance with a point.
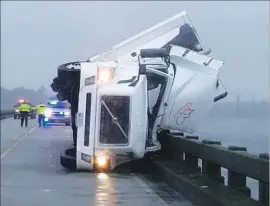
(68, 158)
(67, 76)
(15, 117)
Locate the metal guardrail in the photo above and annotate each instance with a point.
(6, 113)
(239, 163)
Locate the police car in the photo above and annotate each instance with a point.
(57, 112)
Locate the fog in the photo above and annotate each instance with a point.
(38, 36)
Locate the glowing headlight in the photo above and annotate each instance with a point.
(101, 161)
(16, 110)
(67, 113)
(48, 113)
(105, 74)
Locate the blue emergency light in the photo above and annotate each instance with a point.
(53, 102)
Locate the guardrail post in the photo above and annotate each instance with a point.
(264, 187)
(211, 169)
(167, 148)
(236, 180)
(178, 154)
(191, 160)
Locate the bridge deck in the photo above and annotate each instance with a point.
(31, 174)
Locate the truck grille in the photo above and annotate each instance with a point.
(114, 120)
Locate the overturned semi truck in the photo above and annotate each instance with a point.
(162, 79)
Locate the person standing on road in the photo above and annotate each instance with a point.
(41, 113)
(24, 112)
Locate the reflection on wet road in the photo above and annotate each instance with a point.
(31, 175)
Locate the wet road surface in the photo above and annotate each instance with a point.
(12, 132)
(31, 175)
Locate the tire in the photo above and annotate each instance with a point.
(68, 158)
(68, 75)
(15, 117)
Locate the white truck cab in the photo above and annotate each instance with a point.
(162, 79)
(117, 122)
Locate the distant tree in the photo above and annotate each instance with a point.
(42, 90)
(9, 97)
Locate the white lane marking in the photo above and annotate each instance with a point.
(149, 190)
(18, 140)
(46, 190)
(17, 137)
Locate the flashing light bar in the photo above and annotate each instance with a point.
(53, 102)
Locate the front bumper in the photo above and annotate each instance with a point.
(66, 120)
(113, 157)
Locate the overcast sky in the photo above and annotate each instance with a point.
(38, 36)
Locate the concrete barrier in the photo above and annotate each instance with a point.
(6, 114)
(178, 163)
